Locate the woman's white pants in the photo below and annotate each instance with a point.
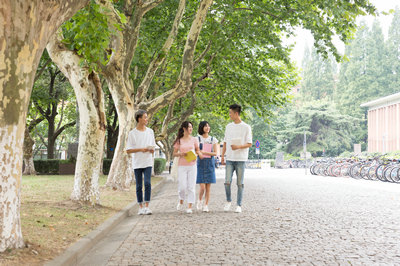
(187, 183)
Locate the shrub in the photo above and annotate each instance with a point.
(47, 167)
(159, 165)
(272, 162)
(107, 165)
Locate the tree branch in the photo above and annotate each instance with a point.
(150, 5)
(34, 122)
(184, 81)
(40, 72)
(41, 138)
(161, 56)
(40, 109)
(62, 114)
(59, 131)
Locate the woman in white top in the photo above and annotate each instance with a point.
(206, 166)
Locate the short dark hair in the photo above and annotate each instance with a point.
(236, 108)
(201, 127)
(139, 114)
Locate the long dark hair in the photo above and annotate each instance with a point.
(181, 131)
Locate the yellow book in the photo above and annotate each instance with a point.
(190, 156)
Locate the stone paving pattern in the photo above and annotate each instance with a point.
(288, 218)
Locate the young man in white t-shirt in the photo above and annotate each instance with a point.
(141, 144)
(237, 141)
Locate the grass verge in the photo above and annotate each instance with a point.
(51, 222)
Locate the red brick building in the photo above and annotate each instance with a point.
(384, 123)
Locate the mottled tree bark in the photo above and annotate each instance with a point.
(121, 87)
(92, 122)
(26, 27)
(28, 154)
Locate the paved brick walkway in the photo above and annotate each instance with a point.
(287, 218)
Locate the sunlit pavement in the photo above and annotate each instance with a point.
(288, 218)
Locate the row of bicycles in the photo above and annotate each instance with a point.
(378, 168)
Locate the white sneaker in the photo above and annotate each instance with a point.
(189, 211)
(179, 207)
(147, 211)
(205, 208)
(238, 209)
(141, 211)
(227, 206)
(199, 205)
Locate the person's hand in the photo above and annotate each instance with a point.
(182, 154)
(201, 156)
(235, 147)
(222, 160)
(150, 150)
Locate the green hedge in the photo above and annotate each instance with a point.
(159, 165)
(51, 167)
(47, 167)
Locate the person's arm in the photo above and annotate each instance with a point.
(177, 153)
(248, 140)
(153, 143)
(215, 148)
(214, 153)
(197, 149)
(238, 147)
(131, 144)
(199, 152)
(137, 150)
(223, 153)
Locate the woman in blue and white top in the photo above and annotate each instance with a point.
(206, 166)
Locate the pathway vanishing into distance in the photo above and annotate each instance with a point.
(288, 218)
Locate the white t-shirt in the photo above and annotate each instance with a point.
(238, 134)
(207, 140)
(138, 140)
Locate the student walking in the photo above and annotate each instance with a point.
(237, 141)
(206, 166)
(185, 146)
(141, 144)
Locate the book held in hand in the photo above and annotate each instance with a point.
(207, 148)
(190, 156)
(236, 141)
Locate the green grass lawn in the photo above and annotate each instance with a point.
(51, 221)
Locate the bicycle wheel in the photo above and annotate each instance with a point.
(345, 170)
(397, 178)
(364, 172)
(336, 170)
(329, 170)
(372, 173)
(379, 172)
(355, 171)
(387, 173)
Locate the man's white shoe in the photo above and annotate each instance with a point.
(147, 211)
(238, 209)
(227, 206)
(205, 209)
(189, 211)
(179, 206)
(141, 211)
(199, 205)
